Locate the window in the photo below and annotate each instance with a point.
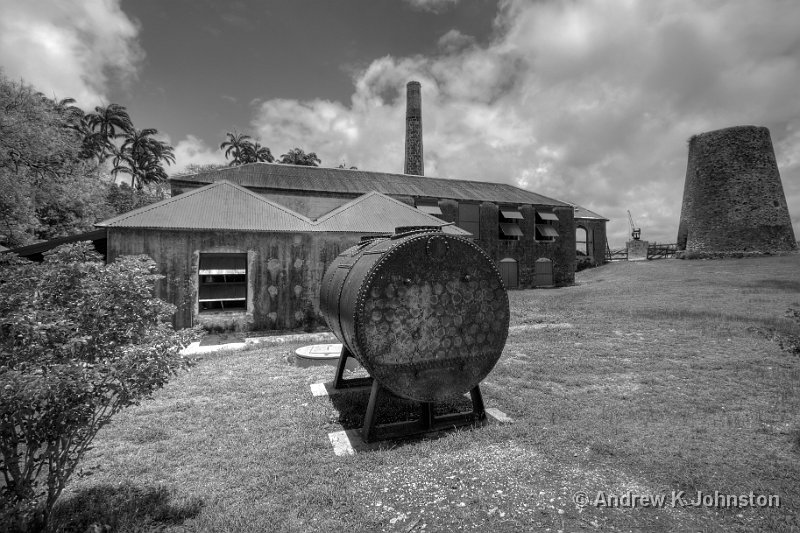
(544, 225)
(469, 219)
(509, 228)
(223, 282)
(430, 207)
(581, 241)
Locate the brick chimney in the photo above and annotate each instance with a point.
(414, 162)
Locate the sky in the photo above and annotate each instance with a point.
(585, 101)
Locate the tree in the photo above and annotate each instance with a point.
(108, 123)
(255, 153)
(122, 198)
(194, 168)
(46, 189)
(141, 156)
(296, 156)
(79, 341)
(235, 147)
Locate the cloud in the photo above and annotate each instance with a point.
(454, 41)
(434, 6)
(68, 49)
(193, 150)
(589, 101)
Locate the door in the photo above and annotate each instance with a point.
(543, 273)
(509, 271)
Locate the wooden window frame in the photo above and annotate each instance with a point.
(544, 220)
(508, 227)
(470, 224)
(223, 278)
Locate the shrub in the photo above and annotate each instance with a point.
(583, 262)
(79, 341)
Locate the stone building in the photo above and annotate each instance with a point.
(233, 259)
(733, 199)
(247, 246)
(590, 234)
(514, 226)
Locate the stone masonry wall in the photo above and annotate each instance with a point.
(733, 199)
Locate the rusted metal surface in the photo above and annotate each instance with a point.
(424, 312)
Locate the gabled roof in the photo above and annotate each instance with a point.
(287, 178)
(227, 206)
(582, 212)
(221, 206)
(380, 214)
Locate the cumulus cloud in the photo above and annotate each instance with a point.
(193, 150)
(68, 49)
(589, 101)
(434, 6)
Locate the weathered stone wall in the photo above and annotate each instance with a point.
(596, 238)
(527, 249)
(733, 200)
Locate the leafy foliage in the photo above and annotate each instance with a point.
(241, 150)
(46, 189)
(79, 341)
(297, 156)
(53, 161)
(141, 157)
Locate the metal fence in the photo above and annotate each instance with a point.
(654, 251)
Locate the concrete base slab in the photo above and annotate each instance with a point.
(326, 389)
(499, 415)
(350, 441)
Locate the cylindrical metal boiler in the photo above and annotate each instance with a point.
(423, 311)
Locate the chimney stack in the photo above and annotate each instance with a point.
(414, 164)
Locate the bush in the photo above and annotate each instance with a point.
(79, 341)
(583, 262)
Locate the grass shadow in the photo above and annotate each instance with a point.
(784, 285)
(125, 507)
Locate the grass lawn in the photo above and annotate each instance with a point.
(647, 377)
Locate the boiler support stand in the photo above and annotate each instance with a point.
(427, 422)
(339, 382)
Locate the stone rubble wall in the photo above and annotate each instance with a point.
(733, 198)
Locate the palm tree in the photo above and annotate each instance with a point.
(141, 156)
(108, 123)
(254, 153)
(70, 114)
(235, 147)
(296, 156)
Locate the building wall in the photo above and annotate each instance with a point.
(527, 249)
(284, 272)
(733, 198)
(596, 233)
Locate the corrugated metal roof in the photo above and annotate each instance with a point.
(227, 206)
(221, 206)
(582, 212)
(378, 213)
(338, 180)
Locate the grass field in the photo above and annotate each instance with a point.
(647, 377)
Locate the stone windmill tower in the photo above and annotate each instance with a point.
(733, 200)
